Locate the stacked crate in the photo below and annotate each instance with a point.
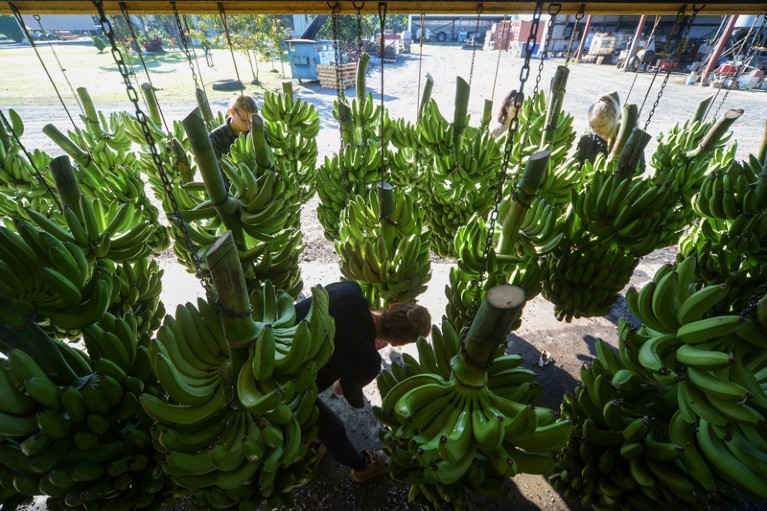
(346, 77)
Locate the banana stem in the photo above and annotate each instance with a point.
(226, 205)
(462, 93)
(362, 91)
(716, 132)
(487, 113)
(66, 182)
(496, 315)
(346, 119)
(700, 112)
(151, 102)
(287, 87)
(229, 280)
(204, 105)
(69, 147)
(386, 209)
(632, 154)
(426, 96)
(761, 311)
(760, 156)
(556, 98)
(264, 156)
(629, 119)
(522, 199)
(36, 343)
(90, 110)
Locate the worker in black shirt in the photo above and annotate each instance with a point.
(240, 111)
(360, 333)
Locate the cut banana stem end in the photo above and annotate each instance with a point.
(462, 93)
(556, 97)
(426, 96)
(629, 119)
(632, 153)
(90, 110)
(69, 147)
(204, 106)
(495, 317)
(151, 102)
(762, 154)
(362, 88)
(716, 132)
(487, 112)
(523, 198)
(703, 106)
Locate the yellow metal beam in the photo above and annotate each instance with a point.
(716, 7)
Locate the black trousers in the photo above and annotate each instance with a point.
(332, 434)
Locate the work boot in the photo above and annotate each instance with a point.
(319, 450)
(375, 466)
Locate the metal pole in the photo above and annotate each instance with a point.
(718, 49)
(583, 39)
(635, 42)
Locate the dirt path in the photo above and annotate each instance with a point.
(571, 344)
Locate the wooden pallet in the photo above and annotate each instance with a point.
(346, 76)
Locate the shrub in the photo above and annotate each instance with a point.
(99, 43)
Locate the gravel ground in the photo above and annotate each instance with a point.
(570, 344)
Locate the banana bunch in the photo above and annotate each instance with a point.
(632, 212)
(673, 144)
(366, 117)
(297, 115)
(82, 443)
(561, 181)
(388, 257)
(231, 438)
(404, 134)
(623, 454)
(448, 208)
(471, 164)
(97, 127)
(16, 171)
(344, 177)
(584, 274)
(47, 279)
(115, 231)
(444, 436)
(138, 295)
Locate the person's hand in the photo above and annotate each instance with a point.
(337, 388)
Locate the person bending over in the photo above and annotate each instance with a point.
(604, 120)
(355, 362)
(240, 110)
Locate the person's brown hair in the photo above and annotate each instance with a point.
(244, 103)
(406, 321)
(511, 98)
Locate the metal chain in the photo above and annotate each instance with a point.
(636, 73)
(360, 48)
(129, 60)
(480, 8)
(61, 66)
(222, 14)
(666, 46)
(334, 18)
(107, 29)
(739, 73)
(677, 56)
(185, 46)
(382, 9)
(578, 17)
(524, 73)
(20, 21)
(124, 10)
(194, 52)
(420, 61)
(9, 128)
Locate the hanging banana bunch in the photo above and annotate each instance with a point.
(675, 415)
(292, 127)
(403, 164)
(241, 411)
(253, 208)
(385, 248)
(461, 418)
(729, 236)
(71, 427)
(357, 165)
(138, 285)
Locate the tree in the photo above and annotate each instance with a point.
(370, 24)
(10, 28)
(99, 43)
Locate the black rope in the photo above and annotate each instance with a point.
(360, 48)
(9, 128)
(578, 17)
(222, 13)
(480, 8)
(636, 73)
(679, 16)
(382, 8)
(20, 20)
(61, 66)
(124, 10)
(420, 62)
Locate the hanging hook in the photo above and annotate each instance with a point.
(359, 9)
(480, 8)
(554, 9)
(335, 8)
(581, 12)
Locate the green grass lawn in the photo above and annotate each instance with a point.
(25, 82)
